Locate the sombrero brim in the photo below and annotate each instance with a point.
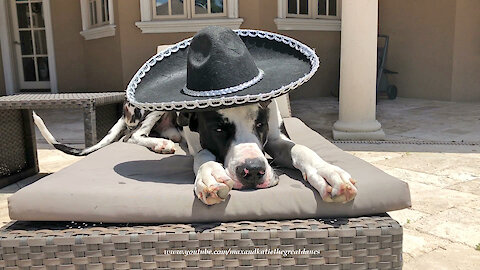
(286, 64)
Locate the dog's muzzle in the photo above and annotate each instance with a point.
(251, 173)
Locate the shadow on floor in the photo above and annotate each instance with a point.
(22, 183)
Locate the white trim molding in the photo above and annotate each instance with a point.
(186, 25)
(89, 31)
(306, 22)
(99, 32)
(6, 42)
(52, 67)
(149, 25)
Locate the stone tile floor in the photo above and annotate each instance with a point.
(441, 229)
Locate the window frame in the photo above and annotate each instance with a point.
(209, 9)
(192, 23)
(311, 21)
(329, 17)
(298, 15)
(155, 16)
(99, 28)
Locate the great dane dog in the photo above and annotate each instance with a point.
(228, 146)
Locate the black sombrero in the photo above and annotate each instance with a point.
(220, 67)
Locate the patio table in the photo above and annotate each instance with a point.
(18, 155)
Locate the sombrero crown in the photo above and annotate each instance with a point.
(219, 68)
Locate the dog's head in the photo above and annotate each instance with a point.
(236, 136)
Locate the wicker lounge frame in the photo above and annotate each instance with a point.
(18, 151)
(355, 243)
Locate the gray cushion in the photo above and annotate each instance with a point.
(128, 183)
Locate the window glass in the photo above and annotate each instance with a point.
(304, 7)
(23, 16)
(332, 7)
(37, 15)
(177, 7)
(40, 42)
(43, 73)
(201, 7)
(322, 7)
(217, 6)
(292, 6)
(161, 7)
(29, 69)
(26, 43)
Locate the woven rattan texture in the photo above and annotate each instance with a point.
(50, 101)
(355, 243)
(12, 141)
(107, 116)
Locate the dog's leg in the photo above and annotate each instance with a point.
(333, 183)
(140, 136)
(212, 184)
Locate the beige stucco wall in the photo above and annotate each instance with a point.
(68, 45)
(103, 61)
(83, 65)
(2, 79)
(137, 47)
(434, 47)
(466, 55)
(421, 45)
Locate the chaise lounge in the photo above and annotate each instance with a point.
(124, 207)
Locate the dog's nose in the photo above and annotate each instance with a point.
(251, 172)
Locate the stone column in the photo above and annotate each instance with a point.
(358, 68)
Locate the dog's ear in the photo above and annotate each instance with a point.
(188, 119)
(264, 104)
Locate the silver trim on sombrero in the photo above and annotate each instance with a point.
(224, 91)
(219, 101)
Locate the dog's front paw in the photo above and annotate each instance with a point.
(164, 146)
(333, 183)
(212, 183)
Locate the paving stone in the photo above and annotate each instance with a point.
(418, 177)
(431, 163)
(4, 217)
(417, 243)
(472, 186)
(407, 216)
(375, 156)
(460, 224)
(404, 119)
(432, 200)
(53, 160)
(453, 256)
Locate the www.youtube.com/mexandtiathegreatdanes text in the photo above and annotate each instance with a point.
(255, 251)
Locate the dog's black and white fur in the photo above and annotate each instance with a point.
(228, 146)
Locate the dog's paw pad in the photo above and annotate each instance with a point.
(345, 193)
(212, 184)
(165, 147)
(214, 194)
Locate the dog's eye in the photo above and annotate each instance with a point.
(219, 130)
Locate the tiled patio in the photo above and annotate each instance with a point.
(441, 229)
